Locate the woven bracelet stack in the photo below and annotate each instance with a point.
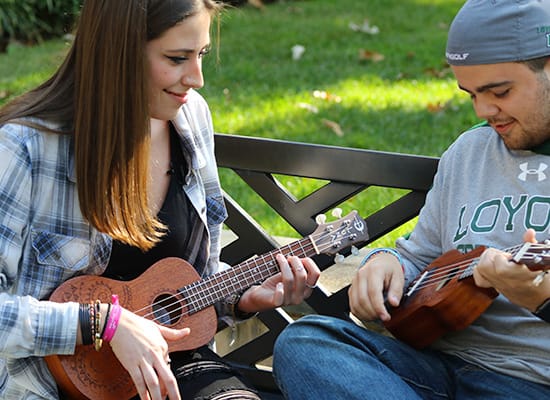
(90, 322)
(386, 250)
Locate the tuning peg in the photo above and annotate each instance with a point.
(354, 251)
(339, 258)
(337, 213)
(320, 219)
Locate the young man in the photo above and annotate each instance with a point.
(492, 189)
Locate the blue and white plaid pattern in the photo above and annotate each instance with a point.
(44, 240)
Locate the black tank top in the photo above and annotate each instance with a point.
(128, 262)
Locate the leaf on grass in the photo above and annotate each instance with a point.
(438, 73)
(297, 51)
(4, 94)
(435, 108)
(336, 128)
(365, 27)
(323, 95)
(295, 10)
(227, 94)
(309, 107)
(401, 75)
(368, 55)
(256, 3)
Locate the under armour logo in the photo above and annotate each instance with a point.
(531, 171)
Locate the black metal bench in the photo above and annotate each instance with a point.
(346, 172)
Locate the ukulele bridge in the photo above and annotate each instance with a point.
(418, 281)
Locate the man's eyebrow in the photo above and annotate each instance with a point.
(484, 88)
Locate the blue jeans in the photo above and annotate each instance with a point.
(319, 357)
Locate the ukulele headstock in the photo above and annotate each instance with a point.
(331, 237)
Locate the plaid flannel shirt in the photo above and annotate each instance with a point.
(44, 240)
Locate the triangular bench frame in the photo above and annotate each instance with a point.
(348, 171)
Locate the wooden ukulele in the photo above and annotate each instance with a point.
(171, 293)
(444, 297)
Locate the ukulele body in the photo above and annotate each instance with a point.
(451, 304)
(185, 298)
(88, 374)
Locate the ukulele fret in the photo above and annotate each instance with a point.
(204, 293)
(219, 286)
(520, 255)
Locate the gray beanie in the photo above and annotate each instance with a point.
(496, 31)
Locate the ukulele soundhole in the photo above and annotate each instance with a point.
(167, 309)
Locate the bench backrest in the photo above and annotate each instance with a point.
(346, 172)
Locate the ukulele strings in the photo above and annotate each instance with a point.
(450, 271)
(435, 278)
(442, 273)
(197, 287)
(313, 247)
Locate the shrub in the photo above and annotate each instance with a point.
(31, 21)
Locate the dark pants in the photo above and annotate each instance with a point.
(203, 375)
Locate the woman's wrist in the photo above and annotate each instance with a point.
(237, 311)
(97, 322)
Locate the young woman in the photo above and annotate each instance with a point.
(106, 168)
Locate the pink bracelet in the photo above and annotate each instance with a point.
(114, 316)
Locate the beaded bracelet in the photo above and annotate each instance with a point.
(114, 317)
(387, 250)
(92, 321)
(98, 342)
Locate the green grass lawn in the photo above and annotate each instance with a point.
(406, 102)
(390, 91)
(24, 67)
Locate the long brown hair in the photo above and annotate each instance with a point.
(100, 94)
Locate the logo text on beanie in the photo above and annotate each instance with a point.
(457, 56)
